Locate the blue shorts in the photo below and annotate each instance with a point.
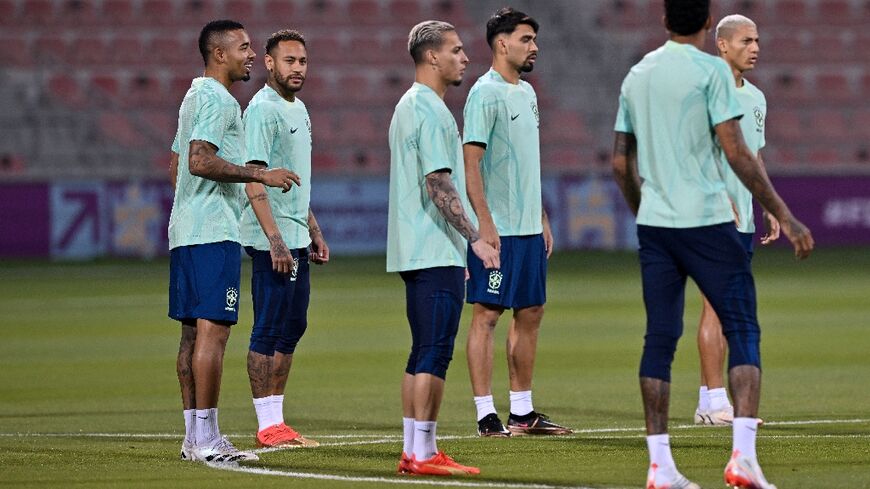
(280, 303)
(433, 301)
(716, 259)
(520, 282)
(204, 282)
(748, 244)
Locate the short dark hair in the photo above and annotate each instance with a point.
(686, 17)
(209, 35)
(283, 35)
(505, 20)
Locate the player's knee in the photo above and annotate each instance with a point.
(744, 348)
(286, 344)
(658, 355)
(411, 366)
(531, 315)
(434, 360)
(264, 344)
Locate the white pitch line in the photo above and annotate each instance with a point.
(382, 438)
(384, 480)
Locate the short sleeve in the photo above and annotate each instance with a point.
(480, 114)
(623, 117)
(210, 121)
(432, 149)
(261, 130)
(722, 102)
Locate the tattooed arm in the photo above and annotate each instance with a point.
(754, 177)
(204, 162)
(282, 260)
(449, 204)
(625, 168)
(319, 248)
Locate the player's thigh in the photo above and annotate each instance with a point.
(204, 282)
(663, 281)
(439, 305)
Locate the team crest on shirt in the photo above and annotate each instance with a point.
(494, 282)
(759, 118)
(535, 111)
(232, 299)
(308, 124)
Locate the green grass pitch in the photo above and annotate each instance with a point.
(89, 398)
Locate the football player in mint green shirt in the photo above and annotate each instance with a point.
(426, 237)
(207, 166)
(277, 229)
(678, 110)
(503, 170)
(737, 42)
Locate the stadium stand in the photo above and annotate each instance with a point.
(117, 69)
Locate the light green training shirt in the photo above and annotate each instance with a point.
(505, 118)
(754, 108)
(671, 101)
(424, 138)
(278, 133)
(205, 211)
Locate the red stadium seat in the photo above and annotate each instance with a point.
(406, 12)
(161, 124)
(281, 10)
(828, 125)
(48, 49)
(117, 12)
(78, 13)
(322, 129)
(105, 89)
(88, 50)
(563, 126)
(172, 51)
(833, 87)
(66, 90)
(784, 47)
(243, 11)
(8, 11)
(123, 50)
(158, 12)
(860, 124)
(199, 12)
(119, 129)
(792, 12)
(325, 12)
(144, 90)
(783, 126)
(38, 12)
(17, 52)
(365, 12)
(359, 126)
(825, 157)
(836, 12)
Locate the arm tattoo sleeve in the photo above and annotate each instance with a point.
(448, 202)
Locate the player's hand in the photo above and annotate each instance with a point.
(736, 214)
(799, 235)
(281, 178)
(772, 227)
(489, 235)
(548, 238)
(487, 254)
(319, 250)
(282, 260)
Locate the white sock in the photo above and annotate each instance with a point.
(745, 430)
(485, 406)
(207, 431)
(190, 425)
(424, 440)
(660, 455)
(718, 399)
(263, 407)
(521, 403)
(703, 399)
(408, 432)
(277, 409)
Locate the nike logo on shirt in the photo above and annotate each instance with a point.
(514, 117)
(293, 130)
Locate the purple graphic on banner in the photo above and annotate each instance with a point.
(78, 226)
(25, 218)
(836, 209)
